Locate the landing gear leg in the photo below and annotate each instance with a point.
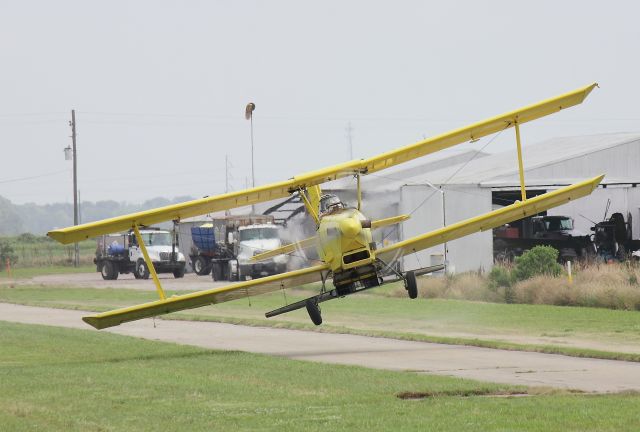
(314, 311)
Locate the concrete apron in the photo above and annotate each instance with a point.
(484, 364)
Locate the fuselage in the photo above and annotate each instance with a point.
(343, 242)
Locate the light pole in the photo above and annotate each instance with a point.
(248, 114)
(71, 154)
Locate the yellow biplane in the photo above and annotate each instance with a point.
(349, 257)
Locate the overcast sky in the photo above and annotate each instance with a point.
(160, 87)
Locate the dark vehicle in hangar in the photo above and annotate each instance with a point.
(514, 239)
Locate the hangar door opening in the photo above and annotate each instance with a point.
(504, 198)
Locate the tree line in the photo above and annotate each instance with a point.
(39, 218)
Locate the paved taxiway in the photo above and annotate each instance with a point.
(514, 367)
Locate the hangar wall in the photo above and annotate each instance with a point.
(616, 162)
(461, 202)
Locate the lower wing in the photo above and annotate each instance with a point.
(213, 296)
(489, 220)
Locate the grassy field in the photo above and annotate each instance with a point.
(72, 380)
(613, 286)
(31, 250)
(29, 272)
(589, 332)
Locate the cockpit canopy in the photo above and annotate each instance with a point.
(330, 203)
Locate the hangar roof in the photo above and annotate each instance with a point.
(491, 170)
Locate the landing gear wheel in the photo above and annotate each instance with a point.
(109, 271)
(142, 272)
(201, 266)
(178, 273)
(410, 284)
(314, 311)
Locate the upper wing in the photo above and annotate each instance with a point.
(490, 220)
(282, 189)
(202, 298)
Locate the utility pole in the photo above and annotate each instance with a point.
(350, 138)
(76, 257)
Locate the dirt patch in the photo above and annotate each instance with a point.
(532, 391)
(459, 393)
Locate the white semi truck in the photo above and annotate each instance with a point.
(224, 246)
(252, 240)
(120, 253)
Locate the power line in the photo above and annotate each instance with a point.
(19, 179)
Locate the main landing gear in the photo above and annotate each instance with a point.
(314, 311)
(347, 284)
(410, 284)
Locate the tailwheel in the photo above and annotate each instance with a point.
(314, 311)
(410, 284)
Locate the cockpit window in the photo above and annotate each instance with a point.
(330, 203)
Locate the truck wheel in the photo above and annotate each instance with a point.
(142, 272)
(201, 266)
(109, 271)
(178, 273)
(216, 271)
(224, 272)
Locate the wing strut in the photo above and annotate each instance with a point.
(148, 262)
(523, 191)
(359, 191)
(313, 212)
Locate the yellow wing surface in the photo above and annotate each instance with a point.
(284, 188)
(212, 296)
(490, 220)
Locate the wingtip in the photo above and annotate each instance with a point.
(93, 322)
(56, 235)
(588, 89)
(597, 180)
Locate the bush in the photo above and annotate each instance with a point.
(541, 260)
(7, 253)
(500, 276)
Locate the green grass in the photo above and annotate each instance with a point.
(29, 272)
(599, 333)
(72, 380)
(34, 250)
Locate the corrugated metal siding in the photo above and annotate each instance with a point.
(617, 162)
(471, 253)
